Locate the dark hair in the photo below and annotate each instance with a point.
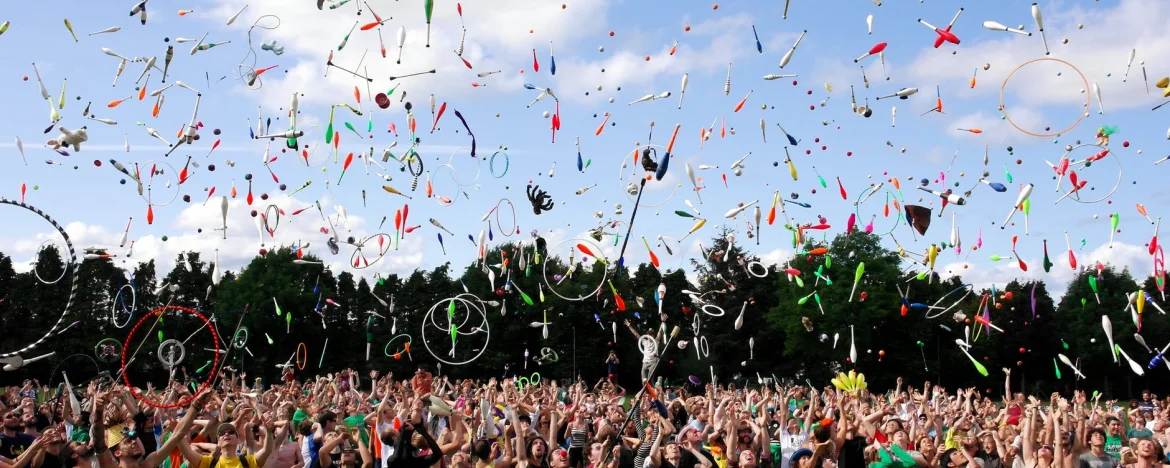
(525, 418)
(822, 434)
(1095, 430)
(946, 457)
(305, 428)
(327, 417)
(482, 449)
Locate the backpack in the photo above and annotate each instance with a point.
(243, 461)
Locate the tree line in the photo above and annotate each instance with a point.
(791, 322)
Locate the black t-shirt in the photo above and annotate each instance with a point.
(688, 460)
(12, 447)
(852, 453)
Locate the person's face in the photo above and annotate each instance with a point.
(1045, 452)
(1145, 396)
(525, 426)
(988, 443)
(1097, 439)
(926, 444)
(747, 458)
(460, 459)
(539, 449)
(1145, 449)
(227, 435)
(329, 426)
(890, 427)
(12, 420)
(596, 453)
(1115, 427)
(956, 459)
(900, 438)
(129, 447)
(672, 451)
(560, 459)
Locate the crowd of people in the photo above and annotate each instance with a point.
(347, 419)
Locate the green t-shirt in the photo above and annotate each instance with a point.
(1113, 446)
(358, 421)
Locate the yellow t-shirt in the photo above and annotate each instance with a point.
(232, 462)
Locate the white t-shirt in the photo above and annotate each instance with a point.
(387, 450)
(789, 444)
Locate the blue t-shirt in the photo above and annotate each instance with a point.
(12, 446)
(314, 449)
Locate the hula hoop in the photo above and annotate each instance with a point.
(70, 259)
(552, 288)
(271, 229)
(1083, 112)
(405, 348)
(210, 376)
(148, 194)
(969, 287)
(485, 328)
(751, 271)
(492, 164)
(118, 299)
(53, 376)
(412, 157)
(872, 190)
(515, 227)
(38, 273)
(705, 306)
(478, 168)
(383, 249)
(302, 349)
(704, 346)
(102, 346)
(632, 197)
(1120, 173)
(240, 343)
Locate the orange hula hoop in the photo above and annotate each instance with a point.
(1084, 112)
(302, 349)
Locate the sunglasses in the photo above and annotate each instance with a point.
(129, 433)
(227, 431)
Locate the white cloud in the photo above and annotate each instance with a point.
(243, 241)
(1121, 255)
(309, 35)
(1100, 49)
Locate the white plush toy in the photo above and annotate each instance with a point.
(69, 138)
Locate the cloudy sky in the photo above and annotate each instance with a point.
(604, 50)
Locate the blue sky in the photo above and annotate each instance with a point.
(94, 205)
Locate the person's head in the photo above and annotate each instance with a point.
(925, 445)
(537, 448)
(1096, 438)
(892, 425)
(952, 458)
(129, 447)
(1045, 452)
(328, 421)
(481, 449)
(75, 454)
(671, 450)
(305, 428)
(1146, 449)
(559, 459)
(1113, 425)
(388, 437)
(901, 439)
(822, 433)
(12, 421)
(747, 458)
(525, 423)
(799, 456)
(460, 460)
(597, 453)
(226, 435)
(1145, 395)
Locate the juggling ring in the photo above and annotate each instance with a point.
(405, 347)
(547, 355)
(478, 168)
(969, 287)
(271, 229)
(458, 187)
(553, 289)
(701, 345)
(647, 345)
(38, 273)
(1007, 116)
(525, 381)
(870, 189)
(492, 164)
(70, 262)
(705, 306)
(118, 299)
(515, 227)
(239, 342)
(1120, 174)
(210, 375)
(148, 196)
(486, 328)
(109, 344)
(412, 156)
(302, 350)
(358, 249)
(172, 358)
(636, 163)
(751, 269)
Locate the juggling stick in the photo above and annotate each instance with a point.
(1108, 326)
